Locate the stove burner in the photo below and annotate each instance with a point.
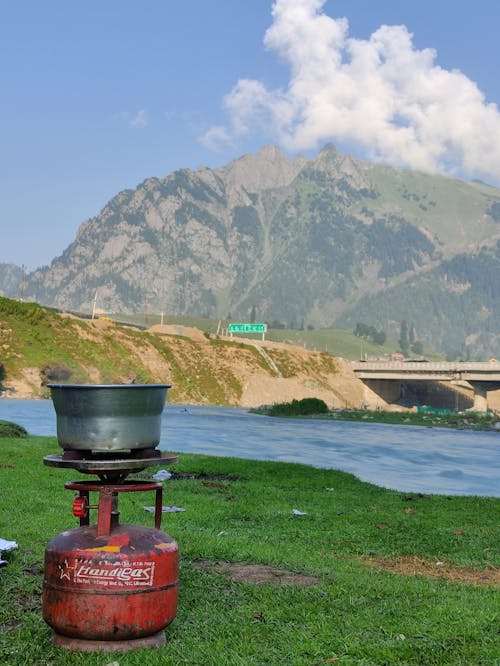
(107, 507)
(108, 467)
(82, 454)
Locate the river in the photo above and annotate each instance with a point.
(405, 458)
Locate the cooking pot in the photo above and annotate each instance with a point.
(108, 417)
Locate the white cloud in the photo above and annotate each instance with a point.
(382, 94)
(216, 137)
(139, 120)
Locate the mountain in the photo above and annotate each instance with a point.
(330, 240)
(11, 280)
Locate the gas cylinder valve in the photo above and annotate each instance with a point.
(80, 507)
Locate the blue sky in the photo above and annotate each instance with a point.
(100, 95)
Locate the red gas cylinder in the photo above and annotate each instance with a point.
(111, 591)
(114, 588)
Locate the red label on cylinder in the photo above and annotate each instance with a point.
(108, 574)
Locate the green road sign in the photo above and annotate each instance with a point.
(247, 328)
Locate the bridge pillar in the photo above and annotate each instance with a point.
(380, 391)
(480, 396)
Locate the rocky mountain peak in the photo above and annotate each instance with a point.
(269, 168)
(341, 166)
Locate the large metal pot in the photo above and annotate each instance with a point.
(108, 417)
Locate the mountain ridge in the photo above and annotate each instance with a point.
(317, 240)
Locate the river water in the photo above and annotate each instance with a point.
(405, 458)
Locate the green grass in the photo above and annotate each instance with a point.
(339, 342)
(241, 511)
(336, 341)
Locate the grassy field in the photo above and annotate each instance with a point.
(367, 576)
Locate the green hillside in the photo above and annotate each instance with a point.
(339, 342)
(456, 305)
(452, 210)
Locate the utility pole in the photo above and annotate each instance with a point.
(94, 306)
(20, 294)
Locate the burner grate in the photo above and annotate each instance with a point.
(108, 467)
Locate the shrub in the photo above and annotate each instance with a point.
(304, 407)
(54, 373)
(29, 312)
(10, 429)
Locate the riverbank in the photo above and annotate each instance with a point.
(428, 419)
(360, 575)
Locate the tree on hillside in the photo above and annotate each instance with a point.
(253, 314)
(361, 330)
(494, 211)
(370, 333)
(417, 348)
(412, 336)
(379, 337)
(404, 343)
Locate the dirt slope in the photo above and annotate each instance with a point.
(201, 369)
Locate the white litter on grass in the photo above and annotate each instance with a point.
(165, 509)
(5, 546)
(162, 475)
(296, 512)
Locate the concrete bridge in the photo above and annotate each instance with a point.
(385, 377)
